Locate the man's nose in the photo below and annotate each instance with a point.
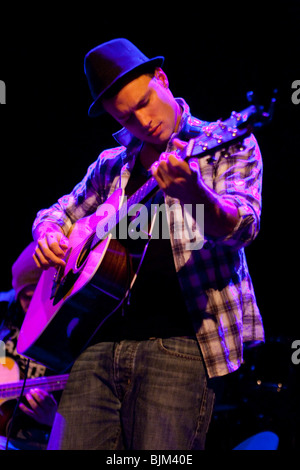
(143, 119)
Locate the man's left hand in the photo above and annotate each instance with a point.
(175, 177)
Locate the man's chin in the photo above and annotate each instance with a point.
(160, 142)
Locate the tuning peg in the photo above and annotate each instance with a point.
(222, 125)
(233, 131)
(218, 138)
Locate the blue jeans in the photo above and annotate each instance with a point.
(136, 395)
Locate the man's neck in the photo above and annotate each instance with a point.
(149, 154)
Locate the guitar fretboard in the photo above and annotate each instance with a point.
(52, 383)
(138, 196)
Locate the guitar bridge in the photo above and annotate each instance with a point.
(58, 276)
(56, 282)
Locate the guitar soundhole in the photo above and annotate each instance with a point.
(83, 256)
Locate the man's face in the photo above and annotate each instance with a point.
(25, 297)
(147, 108)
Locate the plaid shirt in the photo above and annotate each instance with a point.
(215, 279)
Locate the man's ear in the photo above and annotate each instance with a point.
(161, 77)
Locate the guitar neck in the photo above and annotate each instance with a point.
(137, 198)
(49, 384)
(141, 194)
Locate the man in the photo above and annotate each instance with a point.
(40, 406)
(146, 382)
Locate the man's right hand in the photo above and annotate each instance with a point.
(51, 247)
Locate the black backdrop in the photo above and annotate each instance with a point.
(214, 55)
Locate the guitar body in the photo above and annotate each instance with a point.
(59, 325)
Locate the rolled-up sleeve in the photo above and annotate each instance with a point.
(238, 178)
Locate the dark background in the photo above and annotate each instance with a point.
(214, 55)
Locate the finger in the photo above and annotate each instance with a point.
(167, 156)
(38, 414)
(162, 172)
(157, 175)
(64, 242)
(50, 245)
(43, 258)
(194, 167)
(46, 256)
(177, 165)
(37, 262)
(41, 394)
(171, 167)
(40, 259)
(179, 144)
(31, 401)
(57, 243)
(43, 406)
(27, 410)
(168, 182)
(35, 401)
(42, 399)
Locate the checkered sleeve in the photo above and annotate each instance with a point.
(238, 177)
(86, 196)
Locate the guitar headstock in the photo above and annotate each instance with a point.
(220, 134)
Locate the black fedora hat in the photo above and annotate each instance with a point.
(110, 64)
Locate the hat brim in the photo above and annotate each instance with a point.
(96, 108)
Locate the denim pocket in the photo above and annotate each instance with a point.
(181, 347)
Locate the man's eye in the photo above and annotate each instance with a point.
(144, 103)
(123, 118)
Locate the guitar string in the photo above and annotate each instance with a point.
(10, 389)
(114, 219)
